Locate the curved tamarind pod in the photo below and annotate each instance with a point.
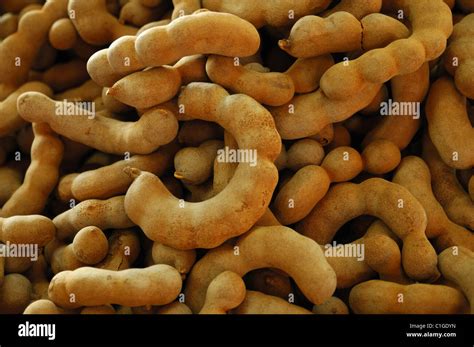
(269, 88)
(448, 124)
(382, 253)
(273, 13)
(448, 191)
(10, 121)
(313, 36)
(415, 175)
(95, 24)
(457, 265)
(225, 292)
(390, 202)
(104, 214)
(264, 247)
(259, 303)
(381, 297)
(231, 36)
(40, 178)
(163, 83)
(459, 56)
(91, 184)
(339, 98)
(86, 127)
(397, 131)
(359, 9)
(162, 222)
(18, 51)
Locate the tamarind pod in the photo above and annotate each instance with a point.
(162, 222)
(10, 121)
(225, 292)
(414, 174)
(104, 214)
(95, 24)
(231, 36)
(90, 184)
(448, 191)
(34, 229)
(380, 297)
(18, 51)
(459, 55)
(88, 128)
(456, 264)
(155, 285)
(264, 247)
(41, 177)
(390, 202)
(400, 129)
(448, 124)
(339, 98)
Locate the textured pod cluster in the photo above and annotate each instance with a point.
(236, 157)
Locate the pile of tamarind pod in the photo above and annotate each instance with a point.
(236, 156)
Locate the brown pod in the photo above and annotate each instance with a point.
(381, 297)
